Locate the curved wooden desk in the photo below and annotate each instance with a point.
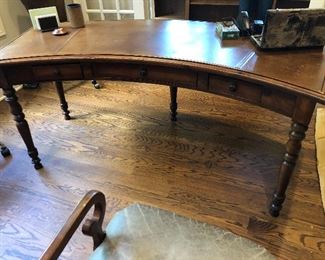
(175, 53)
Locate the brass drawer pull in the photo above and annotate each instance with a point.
(143, 72)
(57, 72)
(232, 86)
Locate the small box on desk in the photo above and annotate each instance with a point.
(227, 30)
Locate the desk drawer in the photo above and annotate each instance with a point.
(279, 101)
(172, 76)
(57, 72)
(144, 73)
(19, 74)
(235, 88)
(116, 71)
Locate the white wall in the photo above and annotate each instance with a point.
(15, 20)
(317, 4)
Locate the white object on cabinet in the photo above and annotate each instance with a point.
(2, 28)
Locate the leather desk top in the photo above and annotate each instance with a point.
(175, 43)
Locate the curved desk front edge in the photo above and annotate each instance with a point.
(281, 97)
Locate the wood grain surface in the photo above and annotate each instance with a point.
(169, 43)
(217, 164)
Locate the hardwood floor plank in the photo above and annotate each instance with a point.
(217, 164)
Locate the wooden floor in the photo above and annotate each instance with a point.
(217, 164)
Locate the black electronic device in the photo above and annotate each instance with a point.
(257, 27)
(251, 16)
(243, 23)
(247, 26)
(255, 8)
(48, 23)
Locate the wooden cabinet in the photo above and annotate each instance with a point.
(212, 10)
(209, 10)
(172, 9)
(292, 3)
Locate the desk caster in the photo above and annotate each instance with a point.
(96, 84)
(33, 153)
(5, 151)
(38, 166)
(31, 85)
(276, 205)
(37, 163)
(274, 212)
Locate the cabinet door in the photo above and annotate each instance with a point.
(112, 9)
(2, 29)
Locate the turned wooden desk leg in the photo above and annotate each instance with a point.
(300, 121)
(173, 103)
(64, 104)
(296, 135)
(22, 125)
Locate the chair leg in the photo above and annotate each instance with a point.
(173, 103)
(4, 150)
(96, 84)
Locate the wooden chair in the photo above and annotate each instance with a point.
(92, 227)
(4, 150)
(144, 232)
